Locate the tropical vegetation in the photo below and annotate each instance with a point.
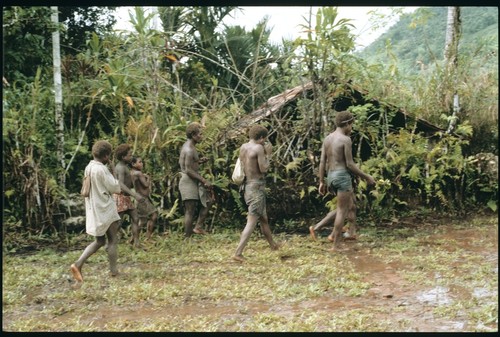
(144, 86)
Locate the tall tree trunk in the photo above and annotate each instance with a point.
(155, 57)
(451, 59)
(59, 121)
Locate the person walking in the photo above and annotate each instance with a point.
(336, 159)
(254, 156)
(330, 219)
(195, 190)
(123, 199)
(146, 210)
(101, 216)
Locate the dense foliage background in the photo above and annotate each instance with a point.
(143, 87)
(415, 43)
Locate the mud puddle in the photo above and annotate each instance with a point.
(419, 302)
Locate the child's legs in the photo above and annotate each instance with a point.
(343, 205)
(150, 224)
(90, 250)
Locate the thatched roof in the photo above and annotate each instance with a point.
(271, 106)
(276, 103)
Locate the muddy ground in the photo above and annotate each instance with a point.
(408, 304)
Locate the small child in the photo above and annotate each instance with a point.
(142, 184)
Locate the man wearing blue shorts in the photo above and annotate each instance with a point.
(336, 159)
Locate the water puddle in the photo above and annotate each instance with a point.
(482, 293)
(434, 297)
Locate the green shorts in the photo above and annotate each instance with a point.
(339, 180)
(255, 197)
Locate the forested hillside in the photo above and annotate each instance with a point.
(411, 54)
(417, 39)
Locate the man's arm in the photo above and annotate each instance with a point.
(120, 175)
(262, 159)
(191, 171)
(322, 163)
(321, 172)
(351, 166)
(181, 161)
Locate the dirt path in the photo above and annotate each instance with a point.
(394, 295)
(418, 301)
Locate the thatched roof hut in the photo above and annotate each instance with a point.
(276, 103)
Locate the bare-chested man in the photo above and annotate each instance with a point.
(123, 201)
(254, 156)
(336, 158)
(192, 186)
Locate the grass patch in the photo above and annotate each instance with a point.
(193, 285)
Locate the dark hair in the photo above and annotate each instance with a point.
(343, 118)
(122, 150)
(193, 129)
(257, 132)
(101, 149)
(134, 160)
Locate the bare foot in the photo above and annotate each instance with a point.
(331, 239)
(77, 275)
(114, 273)
(276, 246)
(199, 231)
(239, 258)
(313, 233)
(350, 237)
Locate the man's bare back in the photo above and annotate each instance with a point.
(254, 160)
(334, 146)
(337, 154)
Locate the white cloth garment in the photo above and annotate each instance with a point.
(100, 207)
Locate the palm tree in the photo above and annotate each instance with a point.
(249, 61)
(227, 58)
